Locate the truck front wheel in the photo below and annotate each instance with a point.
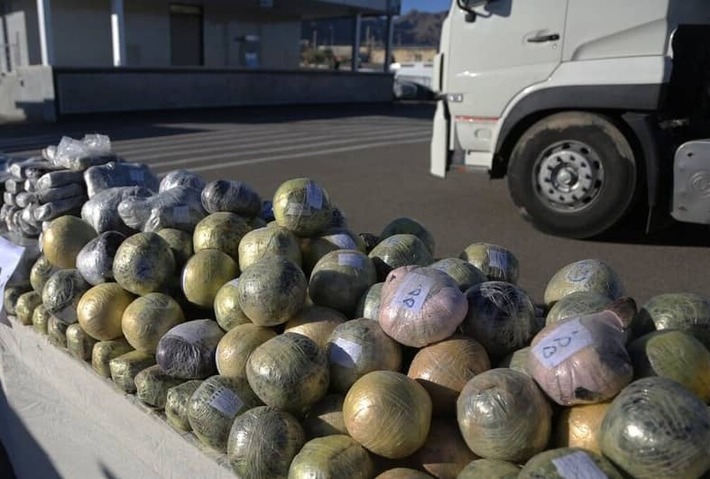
(573, 174)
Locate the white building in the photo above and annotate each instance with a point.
(81, 56)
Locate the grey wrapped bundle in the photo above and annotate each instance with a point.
(231, 196)
(49, 153)
(30, 168)
(8, 198)
(77, 155)
(177, 401)
(112, 175)
(47, 195)
(62, 292)
(177, 208)
(152, 386)
(30, 185)
(14, 185)
(28, 216)
(101, 211)
(58, 208)
(188, 350)
(95, 260)
(26, 229)
(181, 178)
(55, 179)
(23, 199)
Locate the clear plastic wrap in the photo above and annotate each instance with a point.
(28, 217)
(105, 351)
(227, 310)
(585, 275)
(152, 386)
(235, 347)
(388, 413)
(313, 249)
(220, 231)
(101, 211)
(25, 307)
(566, 463)
(576, 304)
(358, 347)
(126, 367)
(30, 184)
(63, 240)
(272, 291)
(397, 251)
(420, 306)
(403, 473)
(369, 304)
(188, 350)
(496, 262)
(332, 456)
(655, 428)
(579, 426)
(177, 208)
(149, 318)
(23, 199)
(316, 322)
(176, 403)
(464, 273)
(100, 311)
(325, 418)
(62, 292)
(81, 154)
(231, 196)
(583, 360)
(79, 344)
(303, 207)
(204, 274)
(56, 209)
(268, 241)
(59, 193)
(409, 226)
(40, 319)
(144, 264)
(11, 295)
(339, 280)
(55, 179)
(30, 168)
(289, 372)
(684, 311)
(489, 469)
(184, 178)
(444, 368)
(57, 332)
(502, 414)
(262, 443)
(444, 453)
(214, 405)
(112, 175)
(501, 316)
(8, 198)
(14, 186)
(95, 260)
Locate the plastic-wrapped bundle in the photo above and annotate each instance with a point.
(370, 241)
(95, 260)
(180, 243)
(503, 415)
(188, 350)
(403, 473)
(30, 168)
(57, 332)
(144, 264)
(683, 311)
(214, 405)
(62, 293)
(303, 207)
(100, 311)
(113, 175)
(177, 401)
(444, 368)
(149, 318)
(23, 199)
(313, 249)
(489, 469)
(25, 307)
(40, 319)
(58, 193)
(566, 463)
(325, 418)
(231, 196)
(444, 453)
(64, 238)
(576, 304)
(496, 262)
(14, 186)
(412, 227)
(268, 241)
(8, 198)
(586, 275)
(583, 360)
(272, 291)
(517, 360)
(236, 346)
(339, 280)
(177, 208)
(105, 351)
(227, 311)
(205, 273)
(332, 456)
(221, 231)
(178, 178)
(289, 372)
(655, 428)
(316, 322)
(369, 304)
(152, 386)
(420, 306)
(101, 211)
(78, 155)
(262, 443)
(79, 344)
(31, 184)
(501, 316)
(388, 413)
(397, 251)
(55, 179)
(126, 367)
(465, 274)
(56, 209)
(358, 347)
(579, 426)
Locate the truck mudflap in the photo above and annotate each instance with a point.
(439, 155)
(691, 183)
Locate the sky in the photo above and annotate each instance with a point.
(425, 5)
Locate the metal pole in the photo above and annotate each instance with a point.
(46, 39)
(356, 43)
(388, 44)
(118, 33)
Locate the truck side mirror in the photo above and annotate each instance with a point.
(469, 7)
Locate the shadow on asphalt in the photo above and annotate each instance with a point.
(671, 233)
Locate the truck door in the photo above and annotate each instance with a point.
(510, 45)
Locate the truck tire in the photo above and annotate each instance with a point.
(573, 174)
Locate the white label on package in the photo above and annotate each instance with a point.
(497, 259)
(563, 342)
(136, 175)
(10, 255)
(352, 260)
(297, 209)
(226, 402)
(181, 214)
(345, 353)
(413, 291)
(314, 196)
(578, 466)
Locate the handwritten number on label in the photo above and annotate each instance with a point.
(561, 343)
(409, 301)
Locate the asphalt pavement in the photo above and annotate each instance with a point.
(373, 160)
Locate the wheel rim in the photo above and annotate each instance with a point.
(569, 176)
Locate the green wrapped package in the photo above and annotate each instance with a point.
(57, 332)
(569, 462)
(11, 296)
(489, 469)
(125, 368)
(105, 351)
(332, 456)
(496, 262)
(683, 311)
(40, 319)
(25, 307)
(591, 275)
(152, 386)
(176, 403)
(80, 344)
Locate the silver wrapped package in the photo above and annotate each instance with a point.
(231, 196)
(178, 208)
(101, 211)
(95, 260)
(112, 175)
(78, 155)
(55, 209)
(181, 178)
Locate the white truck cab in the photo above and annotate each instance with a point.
(583, 105)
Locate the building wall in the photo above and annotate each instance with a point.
(82, 33)
(18, 18)
(147, 27)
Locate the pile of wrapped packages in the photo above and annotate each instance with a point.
(299, 348)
